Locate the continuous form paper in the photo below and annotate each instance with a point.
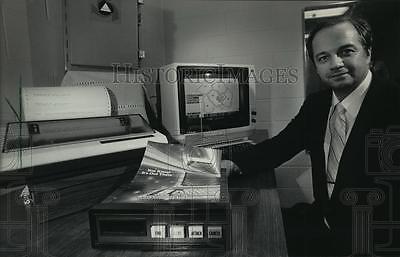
(126, 97)
(53, 103)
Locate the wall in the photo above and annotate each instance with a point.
(46, 34)
(15, 55)
(267, 34)
(151, 39)
(31, 49)
(32, 46)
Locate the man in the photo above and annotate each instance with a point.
(333, 126)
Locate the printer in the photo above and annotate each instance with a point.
(86, 123)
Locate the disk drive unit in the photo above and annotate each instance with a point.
(180, 207)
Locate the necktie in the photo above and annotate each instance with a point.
(337, 128)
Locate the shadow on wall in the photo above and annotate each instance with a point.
(384, 18)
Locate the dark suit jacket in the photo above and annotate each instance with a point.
(379, 110)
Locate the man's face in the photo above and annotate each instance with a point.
(340, 60)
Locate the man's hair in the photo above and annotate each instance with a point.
(361, 26)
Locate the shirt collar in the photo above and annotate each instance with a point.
(353, 101)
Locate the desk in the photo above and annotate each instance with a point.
(69, 236)
(257, 227)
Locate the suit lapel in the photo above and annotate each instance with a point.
(318, 133)
(356, 139)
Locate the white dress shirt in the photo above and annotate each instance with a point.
(352, 104)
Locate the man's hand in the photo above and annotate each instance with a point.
(230, 167)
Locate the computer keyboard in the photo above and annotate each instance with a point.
(234, 148)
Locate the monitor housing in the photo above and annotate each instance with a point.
(203, 104)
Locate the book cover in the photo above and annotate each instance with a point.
(176, 172)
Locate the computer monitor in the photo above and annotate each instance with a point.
(207, 103)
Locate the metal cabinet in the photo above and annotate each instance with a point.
(101, 32)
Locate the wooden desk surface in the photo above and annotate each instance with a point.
(69, 236)
(257, 227)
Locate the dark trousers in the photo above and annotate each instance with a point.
(307, 234)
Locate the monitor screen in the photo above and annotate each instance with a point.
(212, 98)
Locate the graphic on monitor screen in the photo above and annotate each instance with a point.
(210, 98)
